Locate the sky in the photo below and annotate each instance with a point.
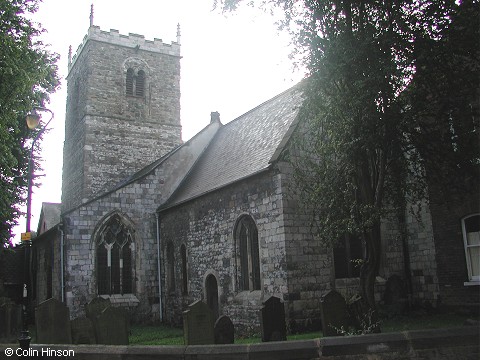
(230, 64)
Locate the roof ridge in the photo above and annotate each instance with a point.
(274, 115)
(291, 88)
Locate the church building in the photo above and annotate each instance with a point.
(154, 223)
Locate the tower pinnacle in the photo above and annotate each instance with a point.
(91, 15)
(69, 56)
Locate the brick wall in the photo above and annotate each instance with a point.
(447, 213)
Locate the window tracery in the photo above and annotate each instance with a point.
(114, 258)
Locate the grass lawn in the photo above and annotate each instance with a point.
(164, 335)
(155, 335)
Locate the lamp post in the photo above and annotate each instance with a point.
(33, 121)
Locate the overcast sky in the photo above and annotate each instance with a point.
(230, 63)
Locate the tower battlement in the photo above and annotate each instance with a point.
(123, 110)
(131, 40)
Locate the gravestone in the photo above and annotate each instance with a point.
(224, 330)
(395, 296)
(83, 331)
(198, 324)
(10, 320)
(272, 320)
(96, 306)
(93, 310)
(334, 313)
(52, 319)
(111, 327)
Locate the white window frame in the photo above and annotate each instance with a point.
(472, 280)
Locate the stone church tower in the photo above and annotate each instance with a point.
(123, 110)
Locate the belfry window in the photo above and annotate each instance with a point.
(248, 259)
(140, 84)
(129, 82)
(135, 83)
(114, 258)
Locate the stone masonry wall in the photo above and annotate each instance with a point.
(43, 261)
(137, 201)
(206, 226)
(310, 264)
(421, 247)
(46, 260)
(108, 134)
(308, 261)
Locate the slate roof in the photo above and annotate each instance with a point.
(242, 147)
(50, 215)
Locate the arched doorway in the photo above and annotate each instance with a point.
(211, 287)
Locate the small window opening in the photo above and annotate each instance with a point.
(129, 82)
(140, 84)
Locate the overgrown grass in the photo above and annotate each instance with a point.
(164, 335)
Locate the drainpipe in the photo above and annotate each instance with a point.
(159, 272)
(62, 284)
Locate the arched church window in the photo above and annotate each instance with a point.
(170, 268)
(140, 84)
(129, 82)
(248, 259)
(211, 287)
(183, 254)
(114, 258)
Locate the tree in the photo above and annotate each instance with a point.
(28, 75)
(444, 103)
(358, 154)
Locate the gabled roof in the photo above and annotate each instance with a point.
(49, 216)
(242, 147)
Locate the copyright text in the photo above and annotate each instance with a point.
(39, 352)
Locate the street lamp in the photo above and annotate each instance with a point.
(33, 121)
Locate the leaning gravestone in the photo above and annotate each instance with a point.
(272, 320)
(334, 313)
(198, 324)
(83, 331)
(224, 330)
(96, 306)
(52, 319)
(111, 327)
